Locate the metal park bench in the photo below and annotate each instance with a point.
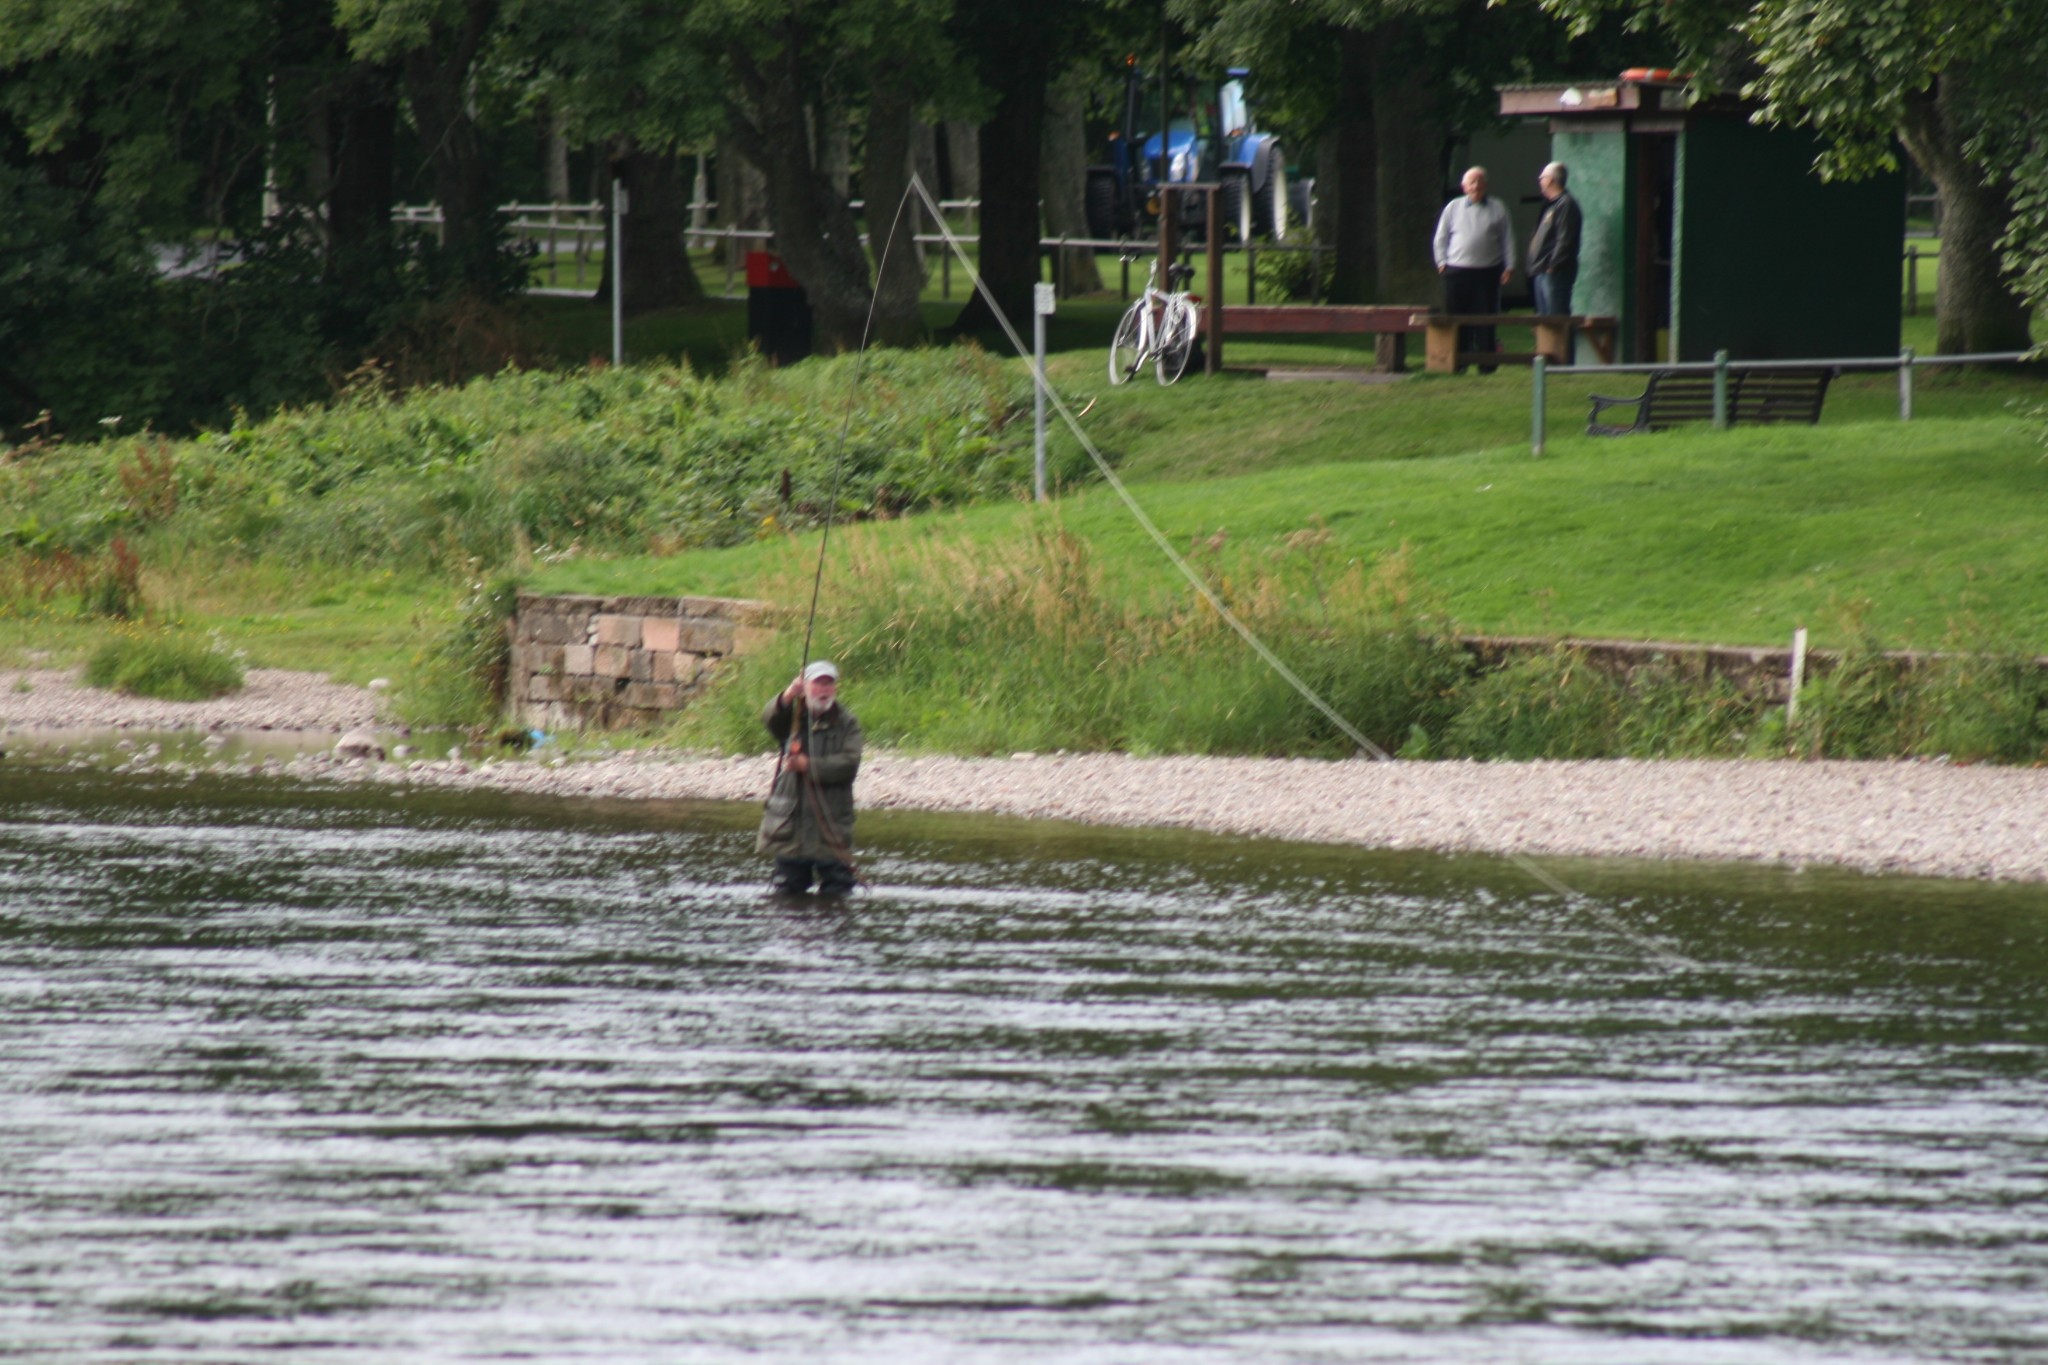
(1758, 397)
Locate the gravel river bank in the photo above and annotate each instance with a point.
(1924, 818)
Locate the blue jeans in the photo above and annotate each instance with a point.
(1553, 294)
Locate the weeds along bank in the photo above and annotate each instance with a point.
(445, 490)
(1028, 638)
(600, 460)
(955, 650)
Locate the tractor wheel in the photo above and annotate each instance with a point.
(1269, 205)
(1301, 195)
(1231, 209)
(1101, 203)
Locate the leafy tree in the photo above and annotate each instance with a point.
(623, 76)
(1015, 51)
(436, 47)
(1957, 82)
(796, 74)
(1384, 87)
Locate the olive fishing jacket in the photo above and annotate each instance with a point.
(810, 815)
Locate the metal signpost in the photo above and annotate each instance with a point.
(618, 272)
(1042, 299)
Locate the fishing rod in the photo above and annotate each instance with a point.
(800, 719)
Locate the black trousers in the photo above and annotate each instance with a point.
(1474, 289)
(793, 876)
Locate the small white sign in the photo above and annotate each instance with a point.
(1042, 299)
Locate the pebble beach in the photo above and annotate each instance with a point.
(1927, 818)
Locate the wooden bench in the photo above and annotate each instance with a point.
(1755, 398)
(1553, 338)
(1389, 324)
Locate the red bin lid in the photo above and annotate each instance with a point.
(765, 270)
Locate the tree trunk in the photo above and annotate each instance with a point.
(815, 231)
(924, 151)
(556, 165)
(742, 201)
(1411, 132)
(1976, 306)
(1010, 145)
(963, 161)
(1063, 180)
(436, 79)
(362, 129)
(834, 140)
(892, 218)
(657, 269)
(1355, 173)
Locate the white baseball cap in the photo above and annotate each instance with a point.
(822, 668)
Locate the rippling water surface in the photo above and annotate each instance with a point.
(306, 1075)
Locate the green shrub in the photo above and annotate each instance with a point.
(161, 663)
(1554, 705)
(457, 677)
(1862, 707)
(1298, 274)
(648, 458)
(1666, 714)
(1983, 706)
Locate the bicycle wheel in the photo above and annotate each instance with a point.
(1127, 352)
(1176, 339)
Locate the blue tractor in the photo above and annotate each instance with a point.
(1210, 136)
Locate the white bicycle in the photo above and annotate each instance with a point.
(1159, 326)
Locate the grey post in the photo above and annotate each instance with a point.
(1536, 406)
(618, 272)
(1720, 390)
(1042, 297)
(1906, 384)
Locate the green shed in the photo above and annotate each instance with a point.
(1705, 231)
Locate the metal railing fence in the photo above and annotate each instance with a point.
(572, 232)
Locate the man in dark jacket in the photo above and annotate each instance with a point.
(808, 825)
(1554, 250)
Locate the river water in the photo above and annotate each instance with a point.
(297, 1073)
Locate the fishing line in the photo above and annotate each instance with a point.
(826, 829)
(1668, 955)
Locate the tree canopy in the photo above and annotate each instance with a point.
(1957, 83)
(285, 130)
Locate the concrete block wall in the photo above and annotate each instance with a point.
(610, 663)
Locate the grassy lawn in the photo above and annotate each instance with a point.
(1921, 530)
(1914, 530)
(350, 626)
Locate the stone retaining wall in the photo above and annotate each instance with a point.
(620, 662)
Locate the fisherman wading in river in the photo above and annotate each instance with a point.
(808, 824)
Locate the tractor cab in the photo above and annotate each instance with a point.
(1209, 135)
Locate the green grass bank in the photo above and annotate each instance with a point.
(1356, 525)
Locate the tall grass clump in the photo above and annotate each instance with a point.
(1554, 705)
(961, 650)
(159, 662)
(456, 678)
(1560, 705)
(1981, 701)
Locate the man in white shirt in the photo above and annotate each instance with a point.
(1475, 253)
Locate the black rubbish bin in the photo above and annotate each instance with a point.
(778, 311)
